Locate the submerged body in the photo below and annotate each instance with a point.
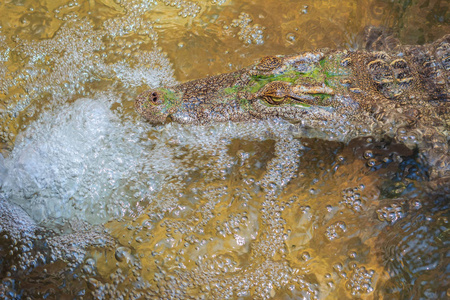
(399, 91)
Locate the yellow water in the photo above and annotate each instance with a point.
(245, 211)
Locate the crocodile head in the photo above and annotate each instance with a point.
(308, 88)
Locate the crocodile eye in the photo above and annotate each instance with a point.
(275, 100)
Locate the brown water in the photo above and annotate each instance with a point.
(227, 211)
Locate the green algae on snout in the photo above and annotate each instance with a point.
(245, 104)
(316, 74)
(323, 98)
(170, 96)
(171, 99)
(232, 90)
(288, 76)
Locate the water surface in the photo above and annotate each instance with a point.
(109, 206)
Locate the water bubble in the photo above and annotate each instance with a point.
(122, 254)
(291, 37)
(305, 9)
(92, 284)
(372, 162)
(368, 154)
(306, 256)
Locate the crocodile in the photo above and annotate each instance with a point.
(383, 89)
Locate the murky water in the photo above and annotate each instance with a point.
(97, 203)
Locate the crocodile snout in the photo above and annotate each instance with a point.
(157, 105)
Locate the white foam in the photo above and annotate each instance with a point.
(81, 160)
(73, 162)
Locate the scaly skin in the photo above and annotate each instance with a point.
(335, 95)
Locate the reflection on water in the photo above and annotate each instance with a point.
(119, 208)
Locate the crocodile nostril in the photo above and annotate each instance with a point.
(154, 97)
